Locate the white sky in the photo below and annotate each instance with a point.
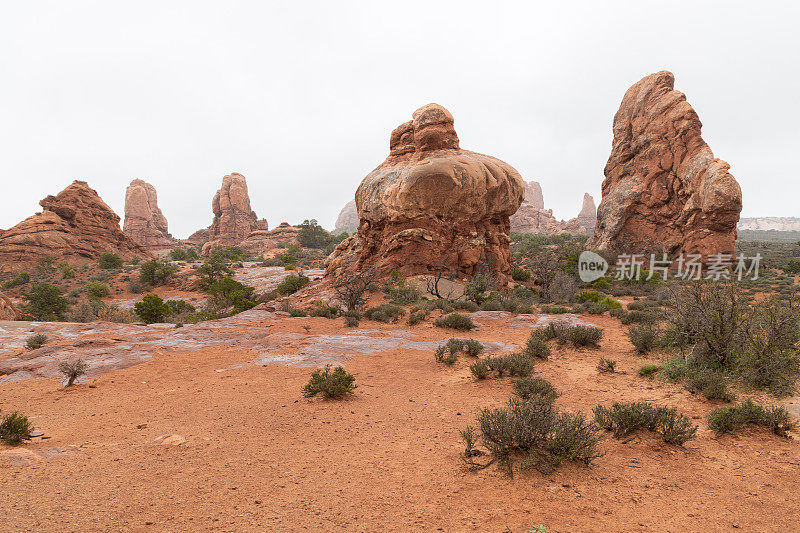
(300, 97)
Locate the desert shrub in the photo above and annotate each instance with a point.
(46, 264)
(351, 289)
(45, 302)
(156, 272)
(536, 345)
(35, 341)
(710, 384)
(475, 291)
(72, 370)
(228, 254)
(227, 292)
(20, 279)
(583, 335)
(296, 312)
(352, 319)
(520, 274)
(97, 289)
(213, 269)
(602, 284)
(606, 366)
(644, 338)
(323, 310)
(401, 293)
(491, 304)
(528, 387)
(480, 369)
(109, 261)
(535, 431)
(444, 355)
(312, 235)
(455, 321)
(555, 310)
(625, 418)
(67, 272)
(114, 314)
(454, 347)
(152, 309)
(735, 417)
(514, 364)
(137, 287)
(84, 311)
(561, 287)
(332, 384)
(638, 317)
(183, 254)
(462, 305)
(445, 306)
(648, 370)
(472, 347)
(385, 313)
(415, 317)
(525, 294)
(291, 284)
(15, 428)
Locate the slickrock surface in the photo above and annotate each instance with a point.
(431, 205)
(348, 219)
(144, 221)
(664, 189)
(74, 226)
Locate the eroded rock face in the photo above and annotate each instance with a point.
(664, 189)
(588, 215)
(144, 221)
(532, 217)
(74, 226)
(261, 241)
(348, 219)
(8, 310)
(432, 205)
(234, 219)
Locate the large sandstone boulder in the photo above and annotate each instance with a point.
(74, 226)
(664, 190)
(144, 221)
(348, 219)
(532, 217)
(432, 205)
(588, 214)
(260, 242)
(234, 219)
(7, 309)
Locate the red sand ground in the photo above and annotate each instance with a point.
(260, 457)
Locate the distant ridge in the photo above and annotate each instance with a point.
(769, 223)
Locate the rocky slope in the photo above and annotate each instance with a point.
(532, 217)
(663, 187)
(74, 226)
(144, 221)
(432, 205)
(261, 241)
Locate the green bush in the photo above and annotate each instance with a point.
(638, 317)
(336, 384)
(536, 345)
(735, 417)
(212, 270)
(15, 428)
(459, 305)
(36, 341)
(352, 319)
(72, 370)
(291, 284)
(109, 261)
(152, 309)
(528, 387)
(156, 272)
(312, 235)
(648, 370)
(455, 321)
(535, 430)
(324, 311)
(480, 368)
(644, 338)
(606, 366)
(20, 279)
(227, 292)
(97, 289)
(514, 364)
(295, 312)
(67, 272)
(183, 254)
(415, 317)
(580, 336)
(449, 351)
(555, 309)
(402, 294)
(520, 274)
(45, 302)
(385, 313)
(710, 384)
(624, 418)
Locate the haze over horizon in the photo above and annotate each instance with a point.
(301, 99)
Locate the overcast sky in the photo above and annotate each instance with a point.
(300, 97)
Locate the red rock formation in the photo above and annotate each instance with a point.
(144, 221)
(432, 205)
(261, 241)
(76, 225)
(588, 214)
(348, 219)
(7, 309)
(532, 217)
(233, 220)
(664, 189)
(200, 236)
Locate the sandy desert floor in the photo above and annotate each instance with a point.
(219, 437)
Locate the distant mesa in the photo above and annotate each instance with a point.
(74, 226)
(432, 206)
(532, 217)
(664, 190)
(144, 221)
(769, 224)
(348, 219)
